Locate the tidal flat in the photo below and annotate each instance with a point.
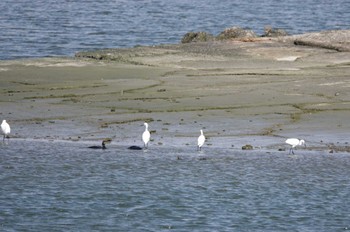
(239, 92)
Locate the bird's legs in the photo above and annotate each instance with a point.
(4, 138)
(291, 151)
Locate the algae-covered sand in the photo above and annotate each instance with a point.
(240, 92)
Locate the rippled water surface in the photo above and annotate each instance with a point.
(57, 186)
(37, 28)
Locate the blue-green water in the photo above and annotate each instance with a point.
(37, 28)
(63, 186)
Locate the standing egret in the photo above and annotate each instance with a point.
(201, 140)
(5, 127)
(294, 142)
(146, 136)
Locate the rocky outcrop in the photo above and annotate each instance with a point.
(236, 33)
(270, 46)
(273, 32)
(229, 33)
(197, 37)
(338, 40)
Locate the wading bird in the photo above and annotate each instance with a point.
(5, 128)
(201, 140)
(294, 142)
(99, 147)
(146, 135)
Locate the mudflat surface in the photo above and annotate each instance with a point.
(256, 92)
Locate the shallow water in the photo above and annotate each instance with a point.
(64, 186)
(36, 28)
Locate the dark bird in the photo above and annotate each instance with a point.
(135, 148)
(99, 147)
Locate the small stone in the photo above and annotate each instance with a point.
(247, 147)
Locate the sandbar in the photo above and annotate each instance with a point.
(256, 92)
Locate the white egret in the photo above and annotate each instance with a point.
(294, 142)
(146, 136)
(5, 127)
(201, 140)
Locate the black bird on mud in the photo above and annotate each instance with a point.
(99, 147)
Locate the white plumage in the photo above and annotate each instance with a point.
(5, 128)
(201, 140)
(294, 142)
(146, 135)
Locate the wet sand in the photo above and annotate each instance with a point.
(239, 92)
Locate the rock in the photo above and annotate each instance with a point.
(335, 39)
(197, 37)
(247, 147)
(272, 32)
(236, 33)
